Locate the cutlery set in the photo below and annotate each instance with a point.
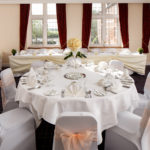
(126, 82)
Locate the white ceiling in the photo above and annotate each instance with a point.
(71, 1)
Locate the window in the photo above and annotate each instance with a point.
(44, 25)
(105, 29)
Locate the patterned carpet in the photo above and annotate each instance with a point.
(45, 132)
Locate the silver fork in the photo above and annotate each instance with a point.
(36, 87)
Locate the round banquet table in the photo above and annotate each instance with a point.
(104, 108)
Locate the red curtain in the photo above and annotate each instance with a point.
(123, 18)
(146, 27)
(86, 24)
(24, 16)
(62, 25)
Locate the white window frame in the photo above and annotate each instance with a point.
(103, 16)
(44, 18)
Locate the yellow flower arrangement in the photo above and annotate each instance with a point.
(74, 44)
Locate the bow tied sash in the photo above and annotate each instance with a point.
(76, 141)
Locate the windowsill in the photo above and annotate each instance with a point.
(105, 47)
(44, 47)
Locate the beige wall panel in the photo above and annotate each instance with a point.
(135, 26)
(9, 30)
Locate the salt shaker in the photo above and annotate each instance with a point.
(62, 93)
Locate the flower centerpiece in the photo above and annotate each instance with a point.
(74, 44)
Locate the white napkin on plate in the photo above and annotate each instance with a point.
(32, 80)
(74, 89)
(116, 86)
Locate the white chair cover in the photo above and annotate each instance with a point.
(145, 117)
(17, 130)
(146, 137)
(134, 129)
(145, 127)
(8, 89)
(37, 64)
(147, 87)
(116, 64)
(75, 131)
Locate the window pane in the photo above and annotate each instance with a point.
(111, 31)
(37, 32)
(96, 8)
(51, 9)
(37, 9)
(96, 32)
(52, 33)
(111, 8)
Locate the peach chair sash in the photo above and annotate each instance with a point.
(76, 141)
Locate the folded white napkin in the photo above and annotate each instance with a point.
(32, 80)
(110, 83)
(116, 86)
(74, 89)
(126, 74)
(102, 66)
(117, 74)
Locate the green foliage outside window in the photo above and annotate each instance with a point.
(94, 36)
(37, 32)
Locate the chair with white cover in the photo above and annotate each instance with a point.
(144, 98)
(147, 87)
(37, 64)
(116, 64)
(75, 131)
(131, 133)
(17, 130)
(8, 90)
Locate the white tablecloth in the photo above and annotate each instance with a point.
(135, 62)
(104, 108)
